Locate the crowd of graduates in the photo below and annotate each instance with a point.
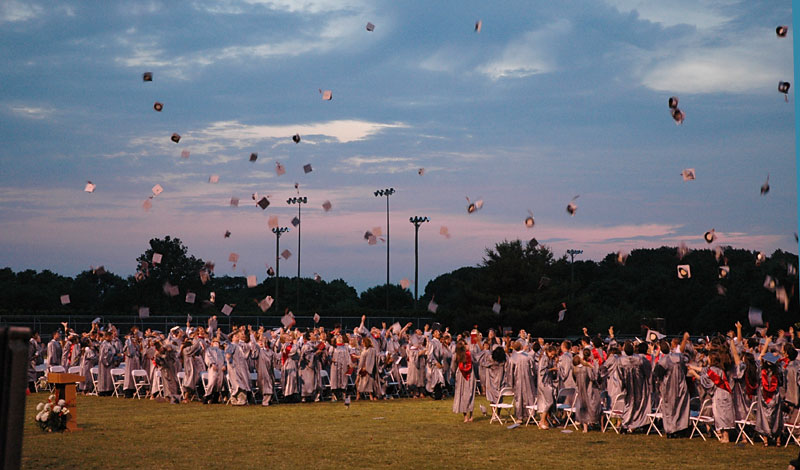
(751, 379)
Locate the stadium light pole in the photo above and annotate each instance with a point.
(572, 254)
(278, 231)
(417, 221)
(299, 201)
(380, 193)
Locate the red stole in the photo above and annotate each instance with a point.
(770, 385)
(466, 366)
(720, 382)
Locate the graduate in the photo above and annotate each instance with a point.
(463, 371)
(290, 358)
(105, 362)
(54, 351)
(669, 375)
(266, 362)
(791, 394)
(547, 376)
(310, 361)
(33, 359)
(340, 364)
(368, 381)
(715, 380)
(191, 349)
(565, 379)
(769, 401)
(522, 380)
(494, 363)
(586, 372)
(166, 360)
(214, 359)
(238, 372)
(634, 383)
(415, 379)
(132, 353)
(434, 358)
(609, 372)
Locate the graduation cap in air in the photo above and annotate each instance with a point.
(770, 283)
(760, 258)
(496, 307)
(326, 206)
(213, 179)
(288, 320)
(270, 271)
(755, 317)
(684, 271)
(444, 231)
(317, 278)
(157, 189)
(89, 188)
(572, 207)
(263, 203)
(474, 206)
(673, 102)
(96, 320)
(771, 358)
(65, 299)
(144, 312)
(265, 304)
(170, 290)
(100, 270)
(157, 257)
(781, 31)
(233, 257)
(204, 277)
(158, 106)
(272, 222)
(227, 234)
(175, 137)
(327, 95)
(190, 297)
(529, 222)
(678, 116)
(227, 309)
(432, 306)
(478, 26)
(279, 168)
(688, 174)
(212, 297)
(253, 156)
(295, 221)
(147, 77)
(710, 236)
(286, 254)
(653, 336)
(782, 297)
(765, 187)
(296, 138)
(791, 270)
(307, 168)
(147, 204)
(184, 154)
(724, 272)
(316, 318)
(405, 283)
(369, 237)
(396, 328)
(252, 281)
(370, 27)
(421, 171)
(563, 312)
(377, 231)
(622, 257)
(783, 87)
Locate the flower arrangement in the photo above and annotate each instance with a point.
(52, 415)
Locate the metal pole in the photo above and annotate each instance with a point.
(277, 266)
(299, 223)
(387, 253)
(416, 263)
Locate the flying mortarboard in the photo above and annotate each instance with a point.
(405, 283)
(432, 306)
(157, 189)
(760, 258)
(213, 179)
(478, 26)
(769, 283)
(158, 106)
(781, 31)
(316, 318)
(144, 312)
(724, 272)
(678, 116)
(529, 222)
(265, 304)
(765, 187)
(783, 87)
(279, 169)
(377, 231)
(755, 317)
(295, 222)
(227, 234)
(622, 257)
(270, 271)
(444, 231)
(421, 171)
(227, 309)
(317, 278)
(253, 157)
(296, 138)
(287, 320)
(190, 297)
(65, 299)
(326, 206)
(147, 77)
(563, 312)
(370, 27)
(327, 95)
(157, 258)
(683, 250)
(286, 254)
(688, 174)
(396, 328)
(572, 207)
(710, 236)
(771, 358)
(782, 297)
(263, 203)
(684, 271)
(235, 201)
(653, 336)
(673, 102)
(233, 257)
(175, 137)
(252, 281)
(496, 307)
(307, 168)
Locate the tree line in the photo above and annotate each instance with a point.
(530, 285)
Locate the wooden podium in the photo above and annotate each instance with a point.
(65, 390)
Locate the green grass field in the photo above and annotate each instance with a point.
(119, 433)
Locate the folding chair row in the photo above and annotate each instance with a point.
(704, 416)
(656, 415)
(499, 406)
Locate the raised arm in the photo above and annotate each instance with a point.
(736, 359)
(684, 341)
(738, 326)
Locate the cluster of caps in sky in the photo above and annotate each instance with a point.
(375, 234)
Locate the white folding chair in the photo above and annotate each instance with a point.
(254, 382)
(403, 377)
(181, 376)
(615, 412)
(749, 420)
(118, 379)
(499, 406)
(204, 379)
(94, 372)
(326, 380)
(656, 415)
(74, 370)
(704, 416)
(793, 427)
(140, 381)
(278, 384)
(569, 409)
(531, 410)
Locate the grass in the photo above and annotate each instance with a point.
(120, 433)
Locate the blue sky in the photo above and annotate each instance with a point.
(550, 100)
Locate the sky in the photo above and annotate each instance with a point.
(548, 101)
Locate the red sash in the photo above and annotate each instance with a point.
(769, 384)
(720, 382)
(466, 366)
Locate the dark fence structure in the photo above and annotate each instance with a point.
(47, 324)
